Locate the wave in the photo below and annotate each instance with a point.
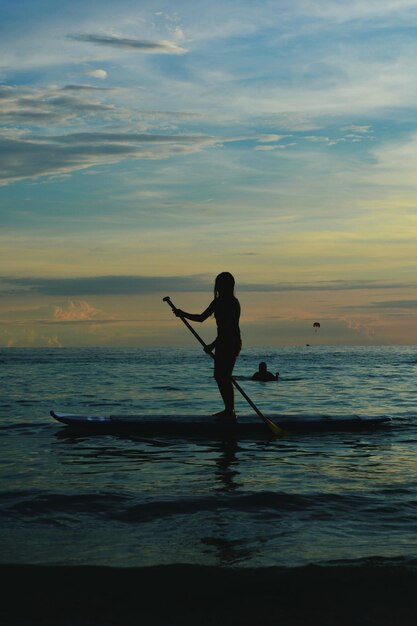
(62, 508)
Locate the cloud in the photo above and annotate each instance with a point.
(81, 88)
(266, 148)
(41, 147)
(384, 10)
(50, 106)
(270, 138)
(30, 157)
(358, 128)
(317, 138)
(78, 310)
(53, 342)
(136, 45)
(143, 285)
(338, 285)
(394, 304)
(269, 142)
(95, 138)
(396, 162)
(107, 285)
(101, 74)
(366, 327)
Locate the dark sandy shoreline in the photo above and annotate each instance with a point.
(348, 595)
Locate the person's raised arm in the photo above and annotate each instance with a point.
(196, 317)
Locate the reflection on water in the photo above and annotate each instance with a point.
(227, 463)
(125, 500)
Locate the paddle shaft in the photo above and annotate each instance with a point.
(271, 425)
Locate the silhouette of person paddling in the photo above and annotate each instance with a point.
(226, 309)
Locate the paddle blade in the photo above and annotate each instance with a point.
(274, 428)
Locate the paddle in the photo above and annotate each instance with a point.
(274, 428)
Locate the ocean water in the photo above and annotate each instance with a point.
(125, 501)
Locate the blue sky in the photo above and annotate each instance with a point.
(150, 145)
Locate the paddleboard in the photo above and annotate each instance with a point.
(203, 425)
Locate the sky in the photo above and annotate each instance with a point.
(146, 146)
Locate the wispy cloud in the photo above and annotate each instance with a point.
(136, 45)
(136, 285)
(48, 132)
(107, 285)
(394, 304)
(30, 157)
(396, 162)
(51, 106)
(375, 11)
(358, 128)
